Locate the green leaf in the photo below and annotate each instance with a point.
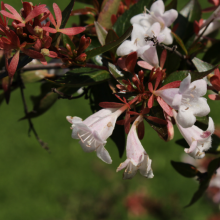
(201, 66)
(171, 5)
(182, 74)
(185, 169)
(157, 111)
(33, 76)
(109, 46)
(119, 75)
(180, 42)
(101, 33)
(123, 22)
(204, 182)
(46, 99)
(192, 11)
(65, 16)
(108, 8)
(66, 40)
(84, 77)
(212, 55)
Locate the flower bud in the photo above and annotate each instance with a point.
(81, 57)
(83, 44)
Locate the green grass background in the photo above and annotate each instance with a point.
(68, 184)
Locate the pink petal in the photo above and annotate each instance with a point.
(165, 107)
(52, 54)
(49, 29)
(151, 101)
(38, 45)
(72, 31)
(145, 65)
(35, 12)
(58, 14)
(150, 87)
(174, 84)
(13, 11)
(214, 97)
(9, 15)
(13, 64)
(52, 20)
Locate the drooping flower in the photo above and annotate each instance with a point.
(157, 14)
(198, 140)
(94, 131)
(137, 158)
(187, 100)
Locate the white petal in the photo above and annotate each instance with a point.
(169, 17)
(154, 30)
(141, 50)
(161, 38)
(200, 107)
(103, 154)
(215, 25)
(73, 120)
(126, 47)
(98, 115)
(192, 147)
(168, 36)
(123, 165)
(145, 168)
(211, 127)
(151, 57)
(198, 87)
(185, 117)
(130, 171)
(138, 35)
(145, 20)
(184, 85)
(87, 148)
(157, 8)
(177, 100)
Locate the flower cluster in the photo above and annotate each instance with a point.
(30, 35)
(154, 23)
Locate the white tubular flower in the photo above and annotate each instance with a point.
(198, 140)
(137, 41)
(157, 14)
(94, 131)
(149, 52)
(187, 100)
(137, 158)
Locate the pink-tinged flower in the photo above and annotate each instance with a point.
(16, 16)
(198, 140)
(94, 131)
(187, 100)
(57, 24)
(157, 14)
(137, 158)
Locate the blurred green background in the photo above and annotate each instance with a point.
(68, 184)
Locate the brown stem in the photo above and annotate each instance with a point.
(171, 49)
(31, 126)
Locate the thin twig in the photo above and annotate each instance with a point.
(171, 49)
(64, 96)
(31, 126)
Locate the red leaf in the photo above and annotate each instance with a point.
(52, 20)
(140, 130)
(131, 61)
(127, 123)
(32, 53)
(37, 45)
(215, 81)
(15, 15)
(151, 101)
(145, 111)
(72, 31)
(110, 105)
(214, 2)
(35, 12)
(214, 97)
(52, 54)
(156, 120)
(196, 27)
(11, 68)
(158, 79)
(163, 58)
(145, 65)
(113, 19)
(47, 41)
(150, 87)
(58, 14)
(165, 106)
(49, 29)
(120, 122)
(174, 84)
